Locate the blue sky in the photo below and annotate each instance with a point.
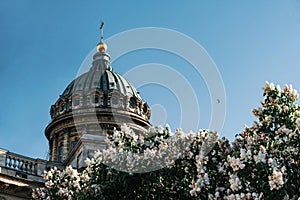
(43, 44)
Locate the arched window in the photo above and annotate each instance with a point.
(132, 103)
(95, 99)
(60, 153)
(61, 107)
(75, 101)
(115, 100)
(145, 108)
(73, 143)
(52, 111)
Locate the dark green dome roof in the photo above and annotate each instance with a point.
(102, 78)
(100, 87)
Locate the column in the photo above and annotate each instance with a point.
(54, 149)
(66, 144)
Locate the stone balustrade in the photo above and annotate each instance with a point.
(21, 166)
(21, 163)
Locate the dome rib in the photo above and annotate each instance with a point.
(119, 82)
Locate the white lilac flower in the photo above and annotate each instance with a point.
(272, 162)
(221, 169)
(284, 130)
(235, 183)
(39, 193)
(292, 134)
(260, 157)
(62, 192)
(217, 194)
(268, 87)
(272, 87)
(97, 154)
(211, 197)
(298, 123)
(160, 129)
(88, 162)
(49, 184)
(48, 175)
(235, 163)
(231, 197)
(257, 112)
(248, 195)
(286, 109)
(206, 179)
(278, 88)
(262, 149)
(243, 154)
(85, 177)
(292, 93)
(276, 179)
(269, 118)
(195, 188)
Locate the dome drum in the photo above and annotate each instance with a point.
(97, 98)
(65, 128)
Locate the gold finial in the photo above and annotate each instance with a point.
(101, 47)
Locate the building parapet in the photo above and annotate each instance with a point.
(16, 165)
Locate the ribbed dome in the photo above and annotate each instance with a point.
(107, 81)
(100, 87)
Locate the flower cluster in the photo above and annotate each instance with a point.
(261, 163)
(135, 153)
(67, 184)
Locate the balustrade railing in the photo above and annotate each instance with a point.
(23, 165)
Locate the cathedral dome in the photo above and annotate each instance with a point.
(92, 106)
(100, 87)
(103, 79)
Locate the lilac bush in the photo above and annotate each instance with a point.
(261, 163)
